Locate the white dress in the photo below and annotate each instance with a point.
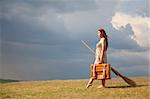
(99, 45)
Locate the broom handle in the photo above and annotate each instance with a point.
(116, 72)
(88, 47)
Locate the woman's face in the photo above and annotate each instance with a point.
(99, 34)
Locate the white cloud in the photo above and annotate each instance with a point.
(140, 26)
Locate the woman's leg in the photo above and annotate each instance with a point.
(103, 82)
(102, 85)
(89, 82)
(104, 75)
(92, 78)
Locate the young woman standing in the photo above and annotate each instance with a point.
(100, 55)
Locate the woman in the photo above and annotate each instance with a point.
(100, 55)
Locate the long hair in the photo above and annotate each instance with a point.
(103, 33)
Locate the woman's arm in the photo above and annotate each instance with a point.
(102, 50)
(98, 44)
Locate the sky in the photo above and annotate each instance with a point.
(41, 39)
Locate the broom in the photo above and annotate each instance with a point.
(127, 80)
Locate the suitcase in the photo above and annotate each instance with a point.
(102, 71)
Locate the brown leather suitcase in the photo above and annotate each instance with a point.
(102, 71)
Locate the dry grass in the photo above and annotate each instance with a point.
(75, 89)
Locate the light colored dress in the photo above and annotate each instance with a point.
(99, 45)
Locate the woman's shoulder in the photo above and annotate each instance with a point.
(102, 39)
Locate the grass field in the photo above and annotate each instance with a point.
(75, 89)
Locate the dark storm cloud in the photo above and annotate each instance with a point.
(60, 6)
(20, 19)
(26, 32)
(63, 6)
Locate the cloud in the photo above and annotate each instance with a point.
(17, 7)
(84, 23)
(43, 17)
(140, 26)
(41, 22)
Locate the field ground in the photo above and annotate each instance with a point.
(75, 89)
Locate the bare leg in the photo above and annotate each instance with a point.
(92, 78)
(89, 82)
(103, 84)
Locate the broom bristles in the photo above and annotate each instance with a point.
(127, 80)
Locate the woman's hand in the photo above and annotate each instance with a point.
(101, 62)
